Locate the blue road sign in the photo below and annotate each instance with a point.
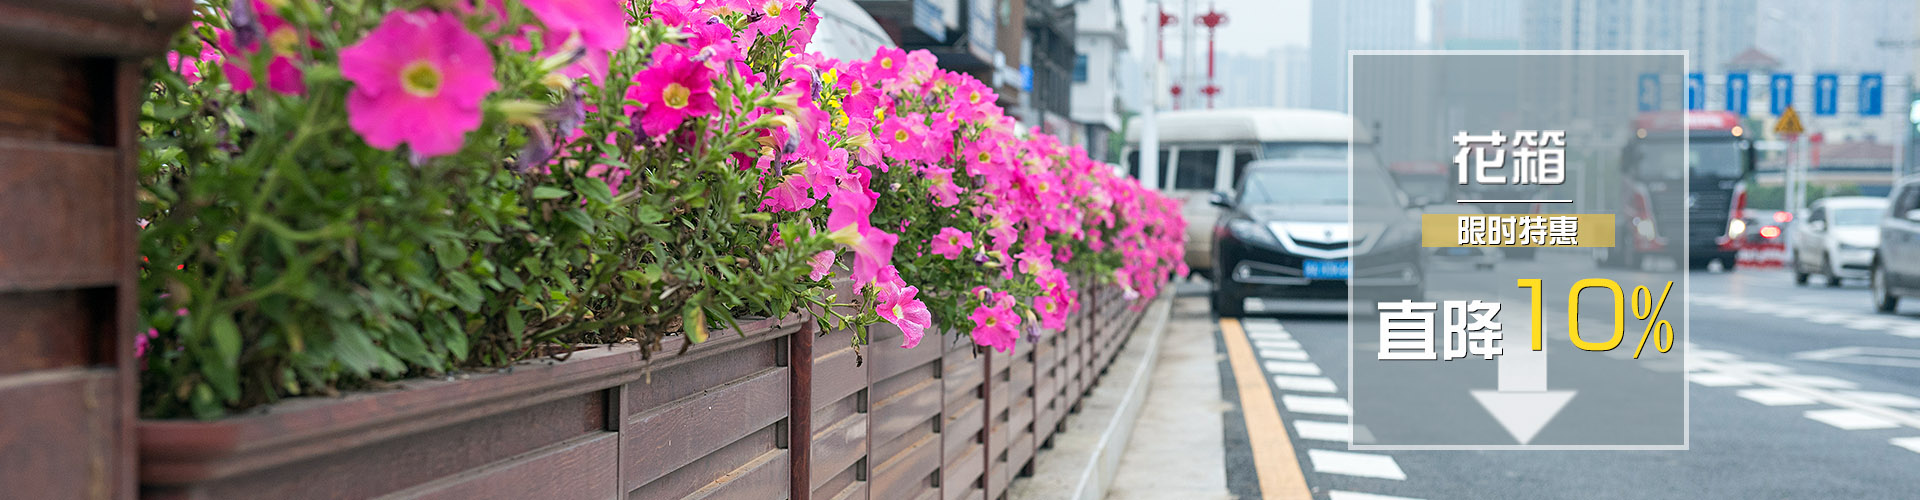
(1826, 94)
(1649, 92)
(1871, 85)
(1782, 89)
(1737, 93)
(1696, 91)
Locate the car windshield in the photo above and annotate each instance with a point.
(1311, 186)
(1854, 217)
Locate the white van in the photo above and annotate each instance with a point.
(1204, 151)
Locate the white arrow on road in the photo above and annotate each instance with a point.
(1523, 405)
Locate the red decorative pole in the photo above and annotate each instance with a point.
(1212, 20)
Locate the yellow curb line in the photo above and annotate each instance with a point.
(1273, 460)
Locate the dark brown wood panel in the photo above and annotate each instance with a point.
(52, 438)
(583, 467)
(764, 477)
(396, 464)
(725, 465)
(53, 329)
(961, 479)
(907, 410)
(669, 383)
(837, 448)
(909, 473)
(666, 438)
(61, 217)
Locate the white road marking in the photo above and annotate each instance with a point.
(1852, 420)
(1711, 379)
(1355, 464)
(1274, 335)
(1286, 354)
(1316, 405)
(1349, 495)
(1709, 355)
(1276, 344)
(1910, 443)
(1752, 367)
(1816, 381)
(1323, 431)
(1883, 399)
(1292, 367)
(1775, 397)
(1304, 384)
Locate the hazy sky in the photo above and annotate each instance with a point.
(1253, 26)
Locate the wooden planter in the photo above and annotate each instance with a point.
(602, 424)
(778, 412)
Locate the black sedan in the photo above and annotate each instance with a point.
(1286, 234)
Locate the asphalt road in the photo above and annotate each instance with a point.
(1796, 392)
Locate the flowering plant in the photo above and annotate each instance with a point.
(337, 194)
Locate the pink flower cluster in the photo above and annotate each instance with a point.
(836, 141)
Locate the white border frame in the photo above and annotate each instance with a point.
(1686, 258)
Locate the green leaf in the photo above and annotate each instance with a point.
(226, 341)
(694, 322)
(548, 193)
(593, 189)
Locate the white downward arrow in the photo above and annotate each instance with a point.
(1523, 405)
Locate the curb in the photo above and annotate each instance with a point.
(1098, 475)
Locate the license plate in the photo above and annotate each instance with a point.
(1325, 269)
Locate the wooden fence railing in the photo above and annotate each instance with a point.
(775, 413)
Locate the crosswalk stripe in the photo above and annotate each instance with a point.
(1304, 384)
(1276, 344)
(1717, 379)
(1316, 405)
(1286, 354)
(1884, 399)
(1323, 431)
(1355, 464)
(1292, 367)
(1851, 420)
(1910, 443)
(1270, 336)
(1354, 495)
(1816, 381)
(1775, 397)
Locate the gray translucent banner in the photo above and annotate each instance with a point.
(1543, 137)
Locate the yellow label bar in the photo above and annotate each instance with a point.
(1517, 230)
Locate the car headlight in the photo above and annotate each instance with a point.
(1646, 229)
(1252, 232)
(1736, 228)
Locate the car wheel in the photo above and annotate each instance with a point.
(1883, 298)
(1227, 304)
(1833, 274)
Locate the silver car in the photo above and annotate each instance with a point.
(1836, 238)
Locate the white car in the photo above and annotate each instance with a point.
(1836, 238)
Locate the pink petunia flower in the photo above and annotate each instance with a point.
(1053, 313)
(951, 243)
(995, 324)
(897, 305)
(282, 41)
(419, 78)
(822, 264)
(598, 26)
(672, 89)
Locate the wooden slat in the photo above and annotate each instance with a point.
(583, 467)
(910, 472)
(663, 439)
(53, 438)
(765, 477)
(837, 446)
(54, 329)
(721, 466)
(961, 477)
(60, 217)
(912, 410)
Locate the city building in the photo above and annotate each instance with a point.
(1340, 26)
(1101, 43)
(1476, 25)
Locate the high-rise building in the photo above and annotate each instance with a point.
(1476, 25)
(1713, 31)
(1340, 26)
